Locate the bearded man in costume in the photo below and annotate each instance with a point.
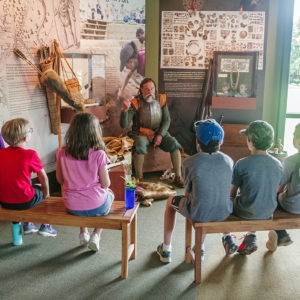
(151, 120)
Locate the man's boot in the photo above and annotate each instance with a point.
(138, 160)
(176, 162)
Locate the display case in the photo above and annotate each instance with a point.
(234, 85)
(90, 72)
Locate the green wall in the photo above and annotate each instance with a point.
(270, 108)
(277, 63)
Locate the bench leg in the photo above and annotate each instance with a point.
(124, 268)
(188, 240)
(198, 247)
(133, 232)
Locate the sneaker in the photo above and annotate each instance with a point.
(229, 244)
(94, 242)
(178, 182)
(248, 245)
(202, 254)
(84, 238)
(202, 251)
(29, 228)
(283, 238)
(47, 230)
(271, 243)
(164, 256)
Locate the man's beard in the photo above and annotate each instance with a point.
(150, 99)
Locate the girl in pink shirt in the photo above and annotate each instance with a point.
(81, 169)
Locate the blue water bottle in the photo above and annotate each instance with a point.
(129, 197)
(17, 233)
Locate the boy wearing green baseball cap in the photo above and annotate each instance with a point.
(254, 185)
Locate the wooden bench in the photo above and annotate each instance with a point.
(53, 211)
(280, 220)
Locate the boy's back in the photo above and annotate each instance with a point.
(207, 179)
(17, 164)
(290, 200)
(258, 177)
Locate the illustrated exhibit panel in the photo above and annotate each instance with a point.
(98, 28)
(189, 41)
(27, 25)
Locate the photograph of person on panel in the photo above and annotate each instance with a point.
(132, 58)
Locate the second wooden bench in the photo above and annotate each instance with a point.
(280, 220)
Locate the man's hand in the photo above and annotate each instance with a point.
(126, 105)
(157, 140)
(120, 94)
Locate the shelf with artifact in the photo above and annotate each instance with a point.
(89, 70)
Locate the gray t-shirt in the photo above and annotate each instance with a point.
(291, 177)
(258, 177)
(207, 180)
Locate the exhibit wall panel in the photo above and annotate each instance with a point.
(28, 25)
(188, 40)
(80, 27)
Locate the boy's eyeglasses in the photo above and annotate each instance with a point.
(197, 123)
(30, 130)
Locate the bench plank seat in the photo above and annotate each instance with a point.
(280, 220)
(53, 211)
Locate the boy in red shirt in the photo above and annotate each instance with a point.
(16, 190)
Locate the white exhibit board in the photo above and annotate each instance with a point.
(188, 41)
(27, 25)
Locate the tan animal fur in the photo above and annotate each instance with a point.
(155, 191)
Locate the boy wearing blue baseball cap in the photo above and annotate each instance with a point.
(255, 182)
(207, 177)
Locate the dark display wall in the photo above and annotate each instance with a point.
(182, 71)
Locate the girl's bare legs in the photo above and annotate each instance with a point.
(83, 230)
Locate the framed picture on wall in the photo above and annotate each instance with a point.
(234, 74)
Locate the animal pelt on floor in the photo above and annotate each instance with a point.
(149, 191)
(169, 174)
